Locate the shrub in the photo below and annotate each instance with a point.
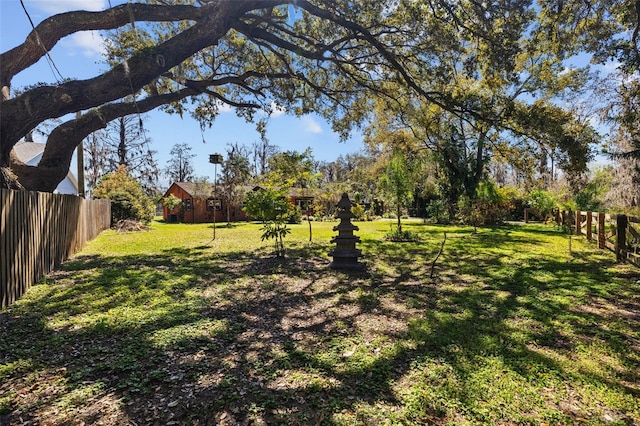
(542, 201)
(128, 200)
(401, 236)
(438, 212)
(490, 206)
(358, 211)
(492, 203)
(294, 214)
(171, 202)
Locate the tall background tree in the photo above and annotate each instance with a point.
(236, 174)
(179, 166)
(122, 142)
(625, 144)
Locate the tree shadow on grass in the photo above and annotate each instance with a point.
(196, 337)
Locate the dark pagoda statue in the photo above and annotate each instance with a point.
(345, 255)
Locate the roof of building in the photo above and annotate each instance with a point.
(191, 189)
(26, 151)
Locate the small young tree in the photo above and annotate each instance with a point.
(236, 172)
(397, 183)
(271, 206)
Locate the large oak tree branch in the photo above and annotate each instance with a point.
(21, 114)
(61, 143)
(45, 36)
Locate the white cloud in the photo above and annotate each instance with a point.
(60, 6)
(311, 126)
(611, 66)
(277, 110)
(223, 107)
(89, 43)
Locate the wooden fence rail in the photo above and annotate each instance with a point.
(38, 231)
(618, 233)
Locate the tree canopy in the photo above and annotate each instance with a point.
(334, 57)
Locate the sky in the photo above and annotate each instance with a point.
(79, 57)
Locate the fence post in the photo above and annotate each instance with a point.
(526, 215)
(589, 225)
(578, 222)
(621, 237)
(602, 236)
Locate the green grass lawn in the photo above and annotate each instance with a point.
(169, 327)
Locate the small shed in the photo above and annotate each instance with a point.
(199, 203)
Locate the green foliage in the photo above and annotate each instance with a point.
(275, 230)
(592, 194)
(469, 212)
(266, 204)
(542, 201)
(397, 182)
(123, 206)
(493, 203)
(515, 201)
(358, 211)
(236, 172)
(293, 214)
(438, 211)
(171, 202)
(292, 169)
(491, 206)
(271, 207)
(128, 200)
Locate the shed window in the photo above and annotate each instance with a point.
(304, 205)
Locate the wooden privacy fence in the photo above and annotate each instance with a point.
(619, 233)
(41, 230)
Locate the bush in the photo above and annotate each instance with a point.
(438, 212)
(128, 200)
(358, 211)
(515, 202)
(123, 206)
(542, 202)
(294, 215)
(492, 203)
(402, 236)
(491, 206)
